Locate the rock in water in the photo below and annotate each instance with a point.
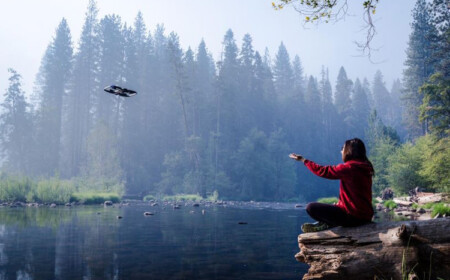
(148, 214)
(107, 203)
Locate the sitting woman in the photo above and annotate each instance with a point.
(354, 207)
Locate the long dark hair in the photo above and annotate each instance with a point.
(354, 149)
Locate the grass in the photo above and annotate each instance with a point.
(390, 204)
(183, 197)
(328, 200)
(94, 197)
(50, 190)
(441, 209)
(213, 197)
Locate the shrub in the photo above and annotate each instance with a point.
(54, 190)
(390, 204)
(214, 196)
(94, 197)
(328, 200)
(15, 188)
(182, 197)
(440, 208)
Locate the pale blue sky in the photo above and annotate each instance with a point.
(27, 27)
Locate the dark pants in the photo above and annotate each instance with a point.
(332, 215)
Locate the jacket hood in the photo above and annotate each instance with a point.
(361, 165)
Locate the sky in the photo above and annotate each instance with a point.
(28, 26)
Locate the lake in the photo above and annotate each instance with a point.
(90, 242)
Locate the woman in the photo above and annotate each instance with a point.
(355, 193)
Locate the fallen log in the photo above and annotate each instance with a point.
(390, 250)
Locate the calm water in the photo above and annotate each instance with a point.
(91, 243)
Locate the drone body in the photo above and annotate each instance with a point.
(116, 90)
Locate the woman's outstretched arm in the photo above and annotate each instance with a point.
(328, 171)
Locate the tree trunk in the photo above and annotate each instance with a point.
(392, 250)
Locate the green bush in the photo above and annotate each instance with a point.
(404, 166)
(436, 162)
(94, 197)
(390, 204)
(214, 196)
(440, 208)
(328, 200)
(53, 190)
(15, 188)
(428, 205)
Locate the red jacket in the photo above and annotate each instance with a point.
(355, 191)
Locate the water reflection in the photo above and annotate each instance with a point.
(91, 243)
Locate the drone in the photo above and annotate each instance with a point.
(116, 90)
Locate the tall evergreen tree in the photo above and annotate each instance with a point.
(111, 64)
(283, 74)
(360, 110)
(382, 99)
(396, 108)
(419, 66)
(54, 75)
(84, 86)
(228, 124)
(15, 127)
(343, 101)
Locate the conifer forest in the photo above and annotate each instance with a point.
(205, 126)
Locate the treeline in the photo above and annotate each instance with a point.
(424, 160)
(197, 125)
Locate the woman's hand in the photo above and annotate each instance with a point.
(297, 157)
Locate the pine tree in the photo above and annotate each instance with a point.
(247, 96)
(228, 125)
(440, 19)
(342, 101)
(360, 109)
(419, 66)
(111, 63)
(15, 127)
(283, 74)
(54, 75)
(382, 99)
(299, 81)
(396, 108)
(78, 118)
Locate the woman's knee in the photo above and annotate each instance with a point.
(311, 207)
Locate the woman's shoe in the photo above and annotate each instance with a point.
(314, 227)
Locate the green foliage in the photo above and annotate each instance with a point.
(374, 202)
(328, 200)
(15, 188)
(54, 190)
(404, 165)
(435, 168)
(182, 197)
(94, 197)
(390, 204)
(428, 205)
(102, 172)
(441, 209)
(213, 197)
(435, 109)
